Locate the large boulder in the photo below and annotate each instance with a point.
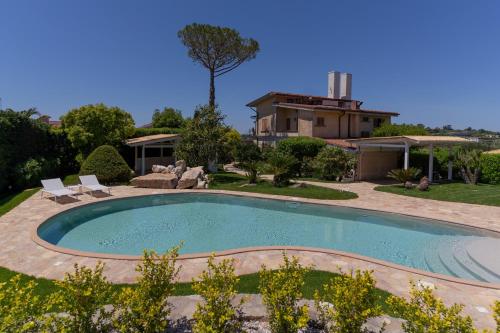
(190, 178)
(155, 180)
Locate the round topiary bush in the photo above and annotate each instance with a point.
(107, 164)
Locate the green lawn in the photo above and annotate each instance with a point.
(234, 182)
(249, 284)
(481, 194)
(11, 201)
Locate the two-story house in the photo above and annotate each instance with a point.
(338, 116)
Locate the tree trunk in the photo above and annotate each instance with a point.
(211, 100)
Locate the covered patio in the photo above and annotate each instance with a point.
(153, 149)
(404, 143)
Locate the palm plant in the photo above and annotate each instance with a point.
(469, 162)
(280, 165)
(404, 175)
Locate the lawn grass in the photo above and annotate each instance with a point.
(249, 284)
(9, 202)
(233, 182)
(482, 194)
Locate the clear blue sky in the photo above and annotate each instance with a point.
(435, 62)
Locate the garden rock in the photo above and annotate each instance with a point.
(190, 178)
(408, 185)
(155, 180)
(424, 184)
(178, 171)
(169, 169)
(201, 184)
(181, 164)
(156, 168)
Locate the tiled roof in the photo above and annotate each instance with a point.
(284, 94)
(340, 143)
(332, 108)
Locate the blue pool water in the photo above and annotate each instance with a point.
(212, 222)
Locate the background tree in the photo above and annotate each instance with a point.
(30, 149)
(91, 126)
(399, 129)
(168, 117)
(218, 49)
(203, 137)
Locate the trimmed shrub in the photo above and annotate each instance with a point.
(333, 162)
(217, 287)
(304, 149)
(280, 165)
(490, 168)
(145, 308)
(281, 291)
(347, 302)
(426, 313)
(21, 311)
(107, 164)
(82, 298)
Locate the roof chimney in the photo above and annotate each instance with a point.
(339, 85)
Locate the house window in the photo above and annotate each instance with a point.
(288, 124)
(264, 125)
(366, 119)
(320, 122)
(377, 122)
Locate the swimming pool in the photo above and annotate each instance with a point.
(215, 222)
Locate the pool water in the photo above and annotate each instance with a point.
(215, 222)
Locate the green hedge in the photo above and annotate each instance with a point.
(107, 164)
(156, 130)
(490, 168)
(304, 149)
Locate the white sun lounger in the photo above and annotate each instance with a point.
(56, 188)
(90, 182)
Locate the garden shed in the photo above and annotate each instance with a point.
(379, 155)
(153, 149)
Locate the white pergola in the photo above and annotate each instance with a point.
(151, 141)
(407, 141)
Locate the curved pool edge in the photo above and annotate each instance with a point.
(35, 238)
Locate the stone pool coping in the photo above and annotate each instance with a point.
(20, 253)
(204, 255)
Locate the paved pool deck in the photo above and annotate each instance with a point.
(19, 252)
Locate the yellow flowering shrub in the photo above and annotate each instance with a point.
(82, 298)
(217, 287)
(496, 314)
(21, 311)
(281, 290)
(425, 313)
(145, 308)
(347, 302)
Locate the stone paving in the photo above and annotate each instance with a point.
(20, 253)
